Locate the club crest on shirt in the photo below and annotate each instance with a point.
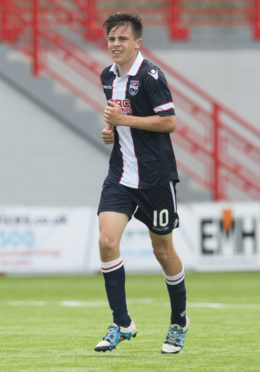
(133, 87)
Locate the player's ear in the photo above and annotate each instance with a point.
(138, 43)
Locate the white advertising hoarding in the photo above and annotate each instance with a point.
(227, 236)
(211, 237)
(43, 240)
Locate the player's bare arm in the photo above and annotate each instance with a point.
(108, 135)
(113, 116)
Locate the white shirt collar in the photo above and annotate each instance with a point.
(134, 68)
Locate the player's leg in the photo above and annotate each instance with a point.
(111, 225)
(165, 253)
(174, 277)
(158, 210)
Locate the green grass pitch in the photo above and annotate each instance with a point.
(53, 323)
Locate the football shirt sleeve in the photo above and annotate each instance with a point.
(158, 92)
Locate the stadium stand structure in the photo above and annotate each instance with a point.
(54, 99)
(180, 15)
(215, 147)
(43, 93)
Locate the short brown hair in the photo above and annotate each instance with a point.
(124, 19)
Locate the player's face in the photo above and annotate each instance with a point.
(123, 47)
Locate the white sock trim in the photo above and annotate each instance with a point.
(107, 267)
(175, 279)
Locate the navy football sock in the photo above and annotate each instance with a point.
(114, 275)
(177, 293)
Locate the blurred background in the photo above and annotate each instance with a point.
(53, 161)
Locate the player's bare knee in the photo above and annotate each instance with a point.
(160, 251)
(107, 244)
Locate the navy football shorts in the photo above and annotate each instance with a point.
(156, 208)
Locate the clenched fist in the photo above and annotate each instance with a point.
(108, 135)
(113, 114)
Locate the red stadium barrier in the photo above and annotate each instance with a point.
(180, 15)
(256, 19)
(221, 141)
(214, 13)
(220, 149)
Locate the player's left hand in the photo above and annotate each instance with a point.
(113, 114)
(108, 135)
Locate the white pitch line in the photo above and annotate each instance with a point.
(83, 303)
(27, 303)
(212, 305)
(134, 301)
(102, 303)
(72, 303)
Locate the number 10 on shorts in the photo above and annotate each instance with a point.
(161, 218)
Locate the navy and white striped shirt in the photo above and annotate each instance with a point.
(140, 158)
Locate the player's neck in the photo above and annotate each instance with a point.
(123, 69)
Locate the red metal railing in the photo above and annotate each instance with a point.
(153, 12)
(216, 148)
(186, 13)
(178, 14)
(256, 27)
(51, 52)
(181, 14)
(222, 142)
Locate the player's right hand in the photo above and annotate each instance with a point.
(108, 135)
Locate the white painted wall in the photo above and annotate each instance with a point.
(230, 76)
(41, 161)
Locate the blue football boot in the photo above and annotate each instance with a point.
(174, 341)
(115, 335)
